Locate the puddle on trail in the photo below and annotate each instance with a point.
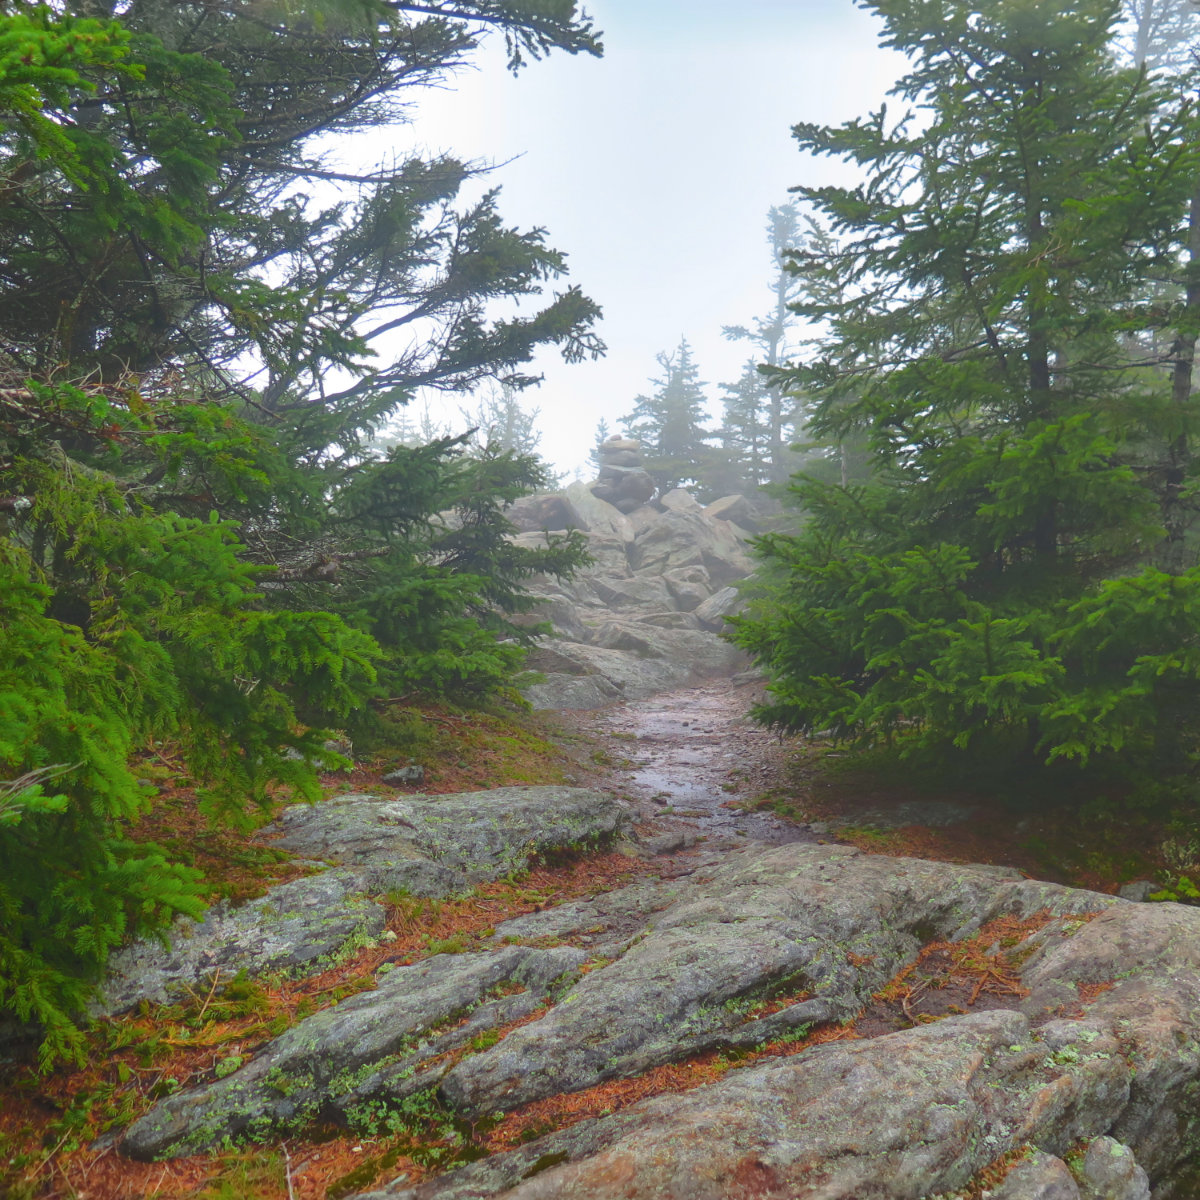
(694, 752)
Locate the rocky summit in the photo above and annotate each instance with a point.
(886, 1027)
(647, 614)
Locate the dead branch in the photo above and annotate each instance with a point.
(326, 567)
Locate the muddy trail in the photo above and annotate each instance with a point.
(689, 759)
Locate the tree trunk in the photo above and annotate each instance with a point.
(1177, 513)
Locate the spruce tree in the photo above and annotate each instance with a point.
(998, 580)
(745, 429)
(762, 417)
(670, 423)
(1159, 33)
(198, 540)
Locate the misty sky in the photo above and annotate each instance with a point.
(653, 169)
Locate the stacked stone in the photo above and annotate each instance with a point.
(622, 482)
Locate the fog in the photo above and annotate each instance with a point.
(653, 168)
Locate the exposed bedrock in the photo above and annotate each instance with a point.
(918, 1113)
(374, 1044)
(429, 846)
(1106, 1042)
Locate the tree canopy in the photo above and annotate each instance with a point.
(205, 318)
(670, 422)
(761, 419)
(1009, 330)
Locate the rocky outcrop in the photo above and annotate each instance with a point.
(792, 913)
(1101, 1059)
(1095, 1058)
(427, 846)
(905, 1117)
(647, 614)
(372, 1046)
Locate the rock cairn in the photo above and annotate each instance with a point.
(622, 481)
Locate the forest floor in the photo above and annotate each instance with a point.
(695, 768)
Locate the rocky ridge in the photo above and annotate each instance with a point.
(361, 847)
(645, 617)
(1091, 1057)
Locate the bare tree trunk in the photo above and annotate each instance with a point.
(1177, 513)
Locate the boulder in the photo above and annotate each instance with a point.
(1110, 1172)
(616, 444)
(405, 776)
(678, 500)
(712, 612)
(598, 516)
(471, 837)
(671, 542)
(627, 504)
(632, 675)
(1138, 889)
(610, 556)
(1038, 1176)
(549, 657)
(566, 690)
(669, 620)
(734, 508)
(552, 512)
(620, 458)
(698, 654)
(643, 517)
(618, 593)
(621, 480)
(627, 481)
(558, 609)
(577, 591)
(685, 539)
(648, 567)
(690, 586)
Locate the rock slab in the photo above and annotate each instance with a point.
(428, 846)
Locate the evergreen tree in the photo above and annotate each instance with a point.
(196, 539)
(670, 423)
(761, 416)
(501, 422)
(1159, 33)
(603, 433)
(200, 223)
(998, 581)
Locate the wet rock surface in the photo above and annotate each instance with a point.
(687, 755)
(1081, 1072)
